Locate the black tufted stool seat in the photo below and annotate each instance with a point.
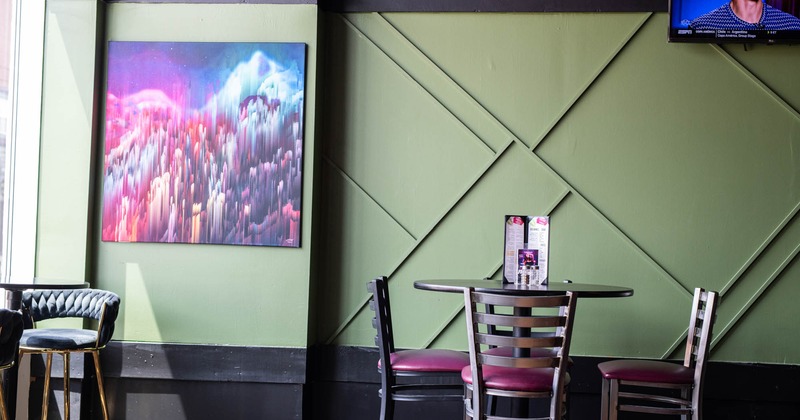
(39, 305)
(10, 331)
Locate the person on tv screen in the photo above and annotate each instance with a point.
(746, 15)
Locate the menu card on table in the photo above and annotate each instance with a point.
(527, 239)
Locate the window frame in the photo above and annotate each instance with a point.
(23, 135)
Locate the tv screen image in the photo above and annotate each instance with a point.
(742, 21)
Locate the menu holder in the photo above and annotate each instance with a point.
(527, 242)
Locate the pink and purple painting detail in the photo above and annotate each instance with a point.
(204, 143)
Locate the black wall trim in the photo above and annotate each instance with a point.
(451, 5)
(191, 362)
(218, 1)
(494, 5)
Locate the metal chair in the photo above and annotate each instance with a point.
(420, 365)
(651, 375)
(540, 348)
(92, 304)
(10, 332)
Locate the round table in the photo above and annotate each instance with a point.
(582, 290)
(14, 291)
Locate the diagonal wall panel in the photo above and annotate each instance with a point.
(524, 68)
(682, 178)
(657, 177)
(765, 332)
(392, 138)
(467, 243)
(769, 286)
(360, 241)
(432, 79)
(778, 70)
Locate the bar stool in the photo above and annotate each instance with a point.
(93, 304)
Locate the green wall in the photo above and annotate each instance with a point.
(172, 293)
(67, 140)
(664, 167)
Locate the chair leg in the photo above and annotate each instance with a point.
(465, 401)
(3, 411)
(101, 390)
(468, 405)
(557, 405)
(604, 401)
(613, 402)
(66, 385)
(387, 405)
(46, 394)
(686, 395)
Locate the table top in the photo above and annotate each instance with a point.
(51, 285)
(497, 286)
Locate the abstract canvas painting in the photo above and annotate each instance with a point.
(204, 143)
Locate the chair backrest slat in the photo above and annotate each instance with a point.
(382, 322)
(701, 322)
(698, 340)
(518, 362)
(495, 340)
(504, 320)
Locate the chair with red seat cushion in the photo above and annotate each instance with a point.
(443, 365)
(649, 375)
(539, 347)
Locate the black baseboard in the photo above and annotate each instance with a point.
(194, 362)
(170, 381)
(345, 381)
(179, 381)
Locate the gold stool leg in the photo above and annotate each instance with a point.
(66, 385)
(100, 388)
(3, 411)
(46, 395)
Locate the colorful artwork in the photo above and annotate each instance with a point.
(204, 143)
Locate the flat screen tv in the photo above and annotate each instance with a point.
(742, 21)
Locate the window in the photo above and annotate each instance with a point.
(21, 58)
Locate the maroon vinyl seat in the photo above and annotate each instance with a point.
(642, 385)
(647, 371)
(413, 365)
(495, 372)
(428, 360)
(515, 379)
